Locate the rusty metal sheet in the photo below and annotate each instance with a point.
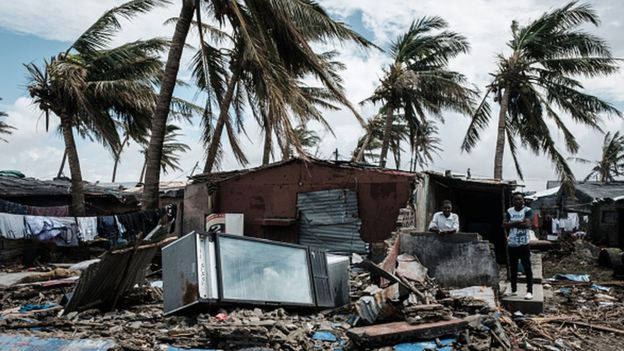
(329, 220)
(102, 283)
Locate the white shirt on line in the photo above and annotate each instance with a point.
(443, 223)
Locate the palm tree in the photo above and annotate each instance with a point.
(5, 128)
(170, 160)
(270, 37)
(611, 163)
(180, 111)
(418, 81)
(307, 138)
(536, 83)
(372, 140)
(424, 144)
(159, 124)
(90, 86)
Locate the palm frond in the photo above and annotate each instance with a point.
(99, 35)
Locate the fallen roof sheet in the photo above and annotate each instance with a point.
(102, 283)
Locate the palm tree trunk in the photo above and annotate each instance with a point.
(386, 136)
(142, 171)
(360, 155)
(77, 190)
(224, 107)
(500, 137)
(118, 156)
(284, 147)
(60, 172)
(159, 122)
(268, 134)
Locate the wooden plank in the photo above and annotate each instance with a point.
(392, 333)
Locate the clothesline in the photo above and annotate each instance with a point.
(71, 231)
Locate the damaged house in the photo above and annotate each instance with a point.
(337, 206)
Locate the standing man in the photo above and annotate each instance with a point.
(445, 221)
(518, 222)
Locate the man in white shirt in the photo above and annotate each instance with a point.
(445, 221)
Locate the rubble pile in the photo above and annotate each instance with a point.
(575, 257)
(578, 316)
(144, 327)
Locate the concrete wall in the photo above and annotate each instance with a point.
(458, 260)
(198, 202)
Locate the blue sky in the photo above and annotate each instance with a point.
(36, 29)
(21, 49)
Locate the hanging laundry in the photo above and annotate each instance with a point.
(13, 207)
(47, 228)
(12, 226)
(143, 222)
(69, 234)
(573, 221)
(50, 211)
(87, 228)
(107, 227)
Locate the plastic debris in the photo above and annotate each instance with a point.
(583, 278)
(600, 288)
(324, 336)
(35, 307)
(443, 345)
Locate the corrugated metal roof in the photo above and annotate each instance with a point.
(218, 177)
(17, 187)
(599, 191)
(329, 220)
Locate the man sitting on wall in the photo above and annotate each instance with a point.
(445, 221)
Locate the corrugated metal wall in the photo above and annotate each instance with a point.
(329, 220)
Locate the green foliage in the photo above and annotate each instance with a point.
(4, 127)
(539, 76)
(611, 163)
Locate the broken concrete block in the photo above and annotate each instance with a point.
(410, 268)
(455, 260)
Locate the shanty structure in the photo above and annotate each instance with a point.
(339, 206)
(606, 208)
(43, 193)
(480, 204)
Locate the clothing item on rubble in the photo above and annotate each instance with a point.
(12, 226)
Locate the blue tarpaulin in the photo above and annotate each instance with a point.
(26, 343)
(324, 336)
(584, 278)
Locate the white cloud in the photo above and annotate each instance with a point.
(485, 23)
